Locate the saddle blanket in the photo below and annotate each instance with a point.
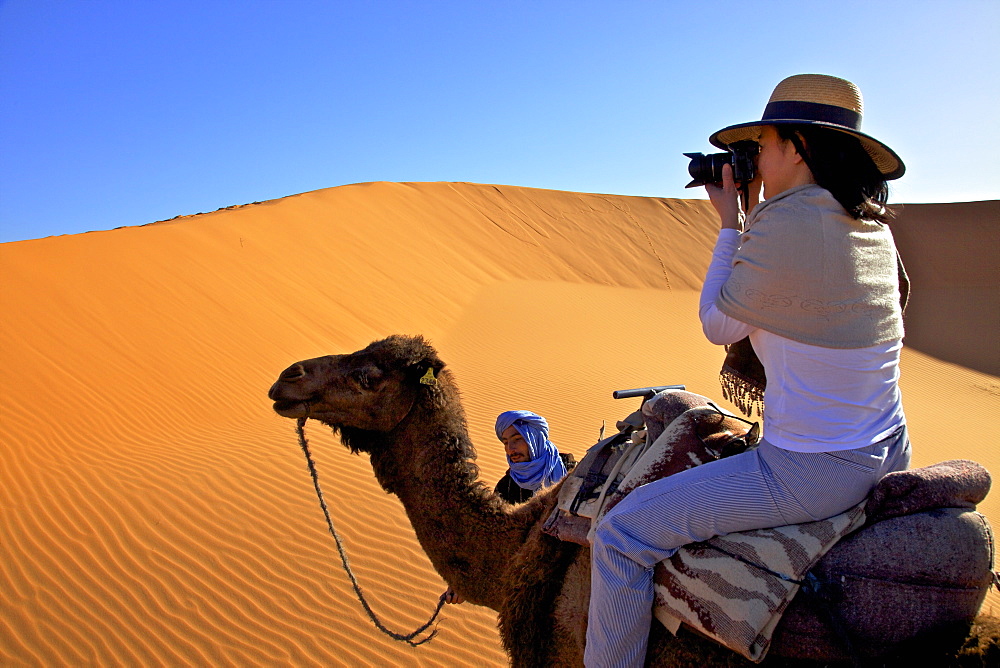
(718, 587)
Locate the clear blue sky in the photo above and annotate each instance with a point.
(124, 112)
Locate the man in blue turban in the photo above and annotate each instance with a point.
(534, 460)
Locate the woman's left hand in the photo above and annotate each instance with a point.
(726, 200)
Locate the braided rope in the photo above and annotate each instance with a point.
(407, 638)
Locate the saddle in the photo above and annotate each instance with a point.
(697, 432)
(857, 570)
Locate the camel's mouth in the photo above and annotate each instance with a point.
(292, 409)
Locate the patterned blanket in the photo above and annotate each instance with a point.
(722, 588)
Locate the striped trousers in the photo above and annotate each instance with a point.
(765, 487)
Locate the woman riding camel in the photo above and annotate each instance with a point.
(806, 293)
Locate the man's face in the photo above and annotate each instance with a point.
(515, 446)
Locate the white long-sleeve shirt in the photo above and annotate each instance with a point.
(817, 399)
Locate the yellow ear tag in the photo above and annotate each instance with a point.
(428, 378)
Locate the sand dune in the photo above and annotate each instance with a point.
(156, 512)
(952, 256)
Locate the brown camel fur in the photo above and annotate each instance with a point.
(395, 401)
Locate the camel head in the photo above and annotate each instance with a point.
(371, 390)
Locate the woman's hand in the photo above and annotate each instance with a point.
(726, 200)
(452, 596)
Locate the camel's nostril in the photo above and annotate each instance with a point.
(293, 373)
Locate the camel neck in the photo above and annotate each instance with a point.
(467, 531)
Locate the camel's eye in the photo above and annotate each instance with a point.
(367, 377)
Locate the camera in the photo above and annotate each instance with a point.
(708, 168)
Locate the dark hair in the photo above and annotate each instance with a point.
(841, 165)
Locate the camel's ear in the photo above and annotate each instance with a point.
(426, 371)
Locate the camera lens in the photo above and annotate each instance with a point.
(706, 168)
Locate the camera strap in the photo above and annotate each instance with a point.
(745, 198)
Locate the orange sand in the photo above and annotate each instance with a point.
(156, 512)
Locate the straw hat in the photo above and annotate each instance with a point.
(822, 100)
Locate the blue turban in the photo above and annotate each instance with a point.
(545, 467)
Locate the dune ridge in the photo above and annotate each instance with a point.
(155, 512)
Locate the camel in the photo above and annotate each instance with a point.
(396, 401)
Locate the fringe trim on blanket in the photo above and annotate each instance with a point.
(743, 378)
(742, 392)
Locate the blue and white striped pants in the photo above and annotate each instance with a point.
(765, 487)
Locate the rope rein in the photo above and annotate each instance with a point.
(407, 638)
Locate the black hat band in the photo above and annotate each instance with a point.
(812, 112)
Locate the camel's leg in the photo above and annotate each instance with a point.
(570, 611)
